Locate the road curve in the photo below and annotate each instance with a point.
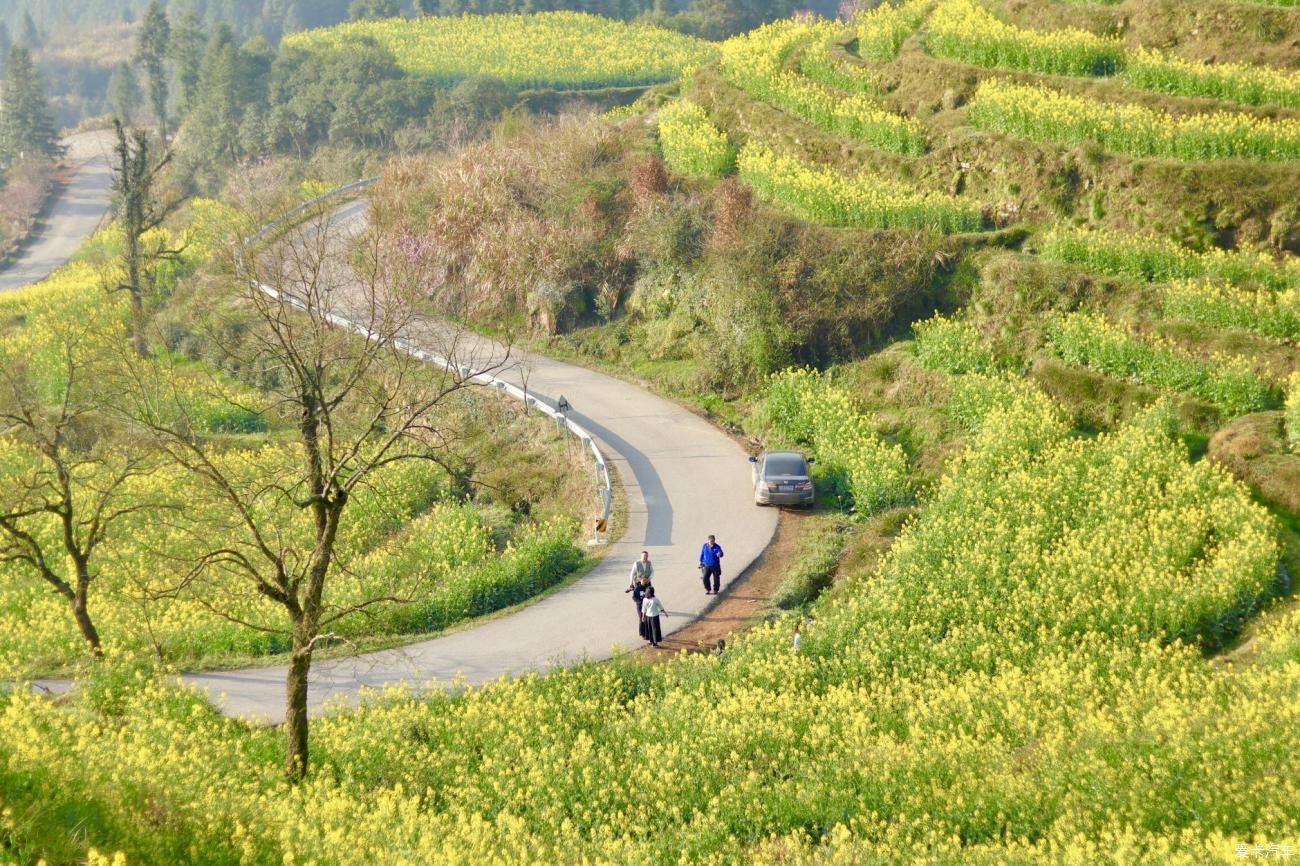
(75, 214)
(683, 479)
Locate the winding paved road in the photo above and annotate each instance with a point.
(683, 479)
(75, 215)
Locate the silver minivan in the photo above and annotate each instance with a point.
(782, 478)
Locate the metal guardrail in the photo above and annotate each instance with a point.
(604, 485)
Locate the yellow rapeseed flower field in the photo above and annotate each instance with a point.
(865, 201)
(1021, 680)
(567, 50)
(755, 62)
(691, 143)
(1042, 114)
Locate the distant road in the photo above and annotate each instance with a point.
(75, 215)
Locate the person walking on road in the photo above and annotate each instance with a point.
(642, 573)
(651, 609)
(711, 565)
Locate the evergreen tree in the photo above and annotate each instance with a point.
(215, 118)
(361, 9)
(185, 48)
(26, 125)
(5, 44)
(279, 18)
(28, 36)
(150, 51)
(124, 94)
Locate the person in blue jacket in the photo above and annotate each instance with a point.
(711, 565)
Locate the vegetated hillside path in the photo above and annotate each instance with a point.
(683, 478)
(75, 215)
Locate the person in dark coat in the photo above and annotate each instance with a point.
(652, 608)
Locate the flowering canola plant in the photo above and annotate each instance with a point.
(566, 50)
(1221, 305)
(1042, 114)
(881, 30)
(1227, 382)
(964, 30)
(755, 62)
(864, 201)
(1146, 257)
(1236, 82)
(803, 407)
(691, 143)
(1020, 680)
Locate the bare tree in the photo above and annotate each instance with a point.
(71, 484)
(324, 319)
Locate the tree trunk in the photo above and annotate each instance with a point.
(295, 716)
(136, 290)
(84, 623)
(138, 324)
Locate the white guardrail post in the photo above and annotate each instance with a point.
(604, 488)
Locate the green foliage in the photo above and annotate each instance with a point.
(26, 127)
(150, 52)
(1227, 382)
(691, 144)
(1292, 411)
(124, 95)
(812, 567)
(185, 50)
(362, 10)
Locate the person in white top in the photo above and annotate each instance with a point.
(651, 609)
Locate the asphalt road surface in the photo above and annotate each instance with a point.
(74, 216)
